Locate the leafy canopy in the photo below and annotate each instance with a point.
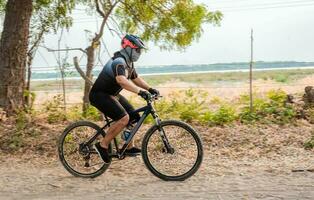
(172, 23)
(169, 23)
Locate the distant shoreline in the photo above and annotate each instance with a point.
(196, 72)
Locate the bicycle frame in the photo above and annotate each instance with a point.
(148, 109)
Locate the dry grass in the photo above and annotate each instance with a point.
(38, 140)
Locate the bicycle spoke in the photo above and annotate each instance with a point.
(184, 156)
(72, 154)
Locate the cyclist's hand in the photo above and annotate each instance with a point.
(154, 91)
(144, 94)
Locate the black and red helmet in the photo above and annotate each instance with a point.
(132, 41)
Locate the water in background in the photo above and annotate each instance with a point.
(71, 73)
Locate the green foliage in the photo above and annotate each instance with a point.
(75, 113)
(93, 114)
(191, 106)
(2, 5)
(281, 78)
(16, 141)
(31, 96)
(175, 23)
(272, 109)
(310, 143)
(49, 15)
(224, 115)
(194, 106)
(21, 120)
(55, 112)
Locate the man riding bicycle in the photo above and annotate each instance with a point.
(104, 95)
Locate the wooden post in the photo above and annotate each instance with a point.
(251, 74)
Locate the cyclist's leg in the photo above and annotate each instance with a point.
(134, 117)
(110, 106)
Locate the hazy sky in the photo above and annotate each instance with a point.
(283, 32)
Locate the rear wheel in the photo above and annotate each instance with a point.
(79, 158)
(185, 156)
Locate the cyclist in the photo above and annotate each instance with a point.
(104, 95)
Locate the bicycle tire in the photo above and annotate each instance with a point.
(191, 131)
(68, 129)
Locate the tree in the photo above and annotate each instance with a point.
(13, 49)
(169, 23)
(15, 41)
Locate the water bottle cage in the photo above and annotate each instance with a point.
(126, 134)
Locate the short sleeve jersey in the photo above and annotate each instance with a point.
(106, 81)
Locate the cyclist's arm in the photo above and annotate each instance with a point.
(126, 84)
(141, 83)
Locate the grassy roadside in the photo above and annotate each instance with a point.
(271, 128)
(280, 76)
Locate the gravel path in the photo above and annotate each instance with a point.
(129, 179)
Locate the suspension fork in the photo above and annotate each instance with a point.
(162, 133)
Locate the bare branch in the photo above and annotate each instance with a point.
(80, 71)
(105, 18)
(36, 43)
(67, 49)
(116, 24)
(98, 9)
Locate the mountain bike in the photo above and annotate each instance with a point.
(172, 150)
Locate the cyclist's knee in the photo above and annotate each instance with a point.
(124, 120)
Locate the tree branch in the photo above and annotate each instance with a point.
(105, 18)
(98, 9)
(80, 71)
(67, 49)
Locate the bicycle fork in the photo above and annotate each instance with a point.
(168, 147)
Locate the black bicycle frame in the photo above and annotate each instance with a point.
(147, 110)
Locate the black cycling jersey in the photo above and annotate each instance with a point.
(104, 94)
(106, 81)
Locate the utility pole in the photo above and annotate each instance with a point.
(251, 74)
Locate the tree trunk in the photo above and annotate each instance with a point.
(13, 54)
(89, 75)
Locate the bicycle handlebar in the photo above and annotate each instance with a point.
(153, 98)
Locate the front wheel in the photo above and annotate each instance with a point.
(184, 157)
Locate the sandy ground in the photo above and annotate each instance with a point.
(129, 179)
(225, 90)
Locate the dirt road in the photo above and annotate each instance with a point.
(129, 179)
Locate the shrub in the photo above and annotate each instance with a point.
(55, 112)
(224, 115)
(74, 113)
(16, 141)
(281, 78)
(272, 108)
(192, 105)
(21, 120)
(93, 113)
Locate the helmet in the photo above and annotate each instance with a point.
(132, 41)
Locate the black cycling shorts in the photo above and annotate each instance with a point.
(114, 107)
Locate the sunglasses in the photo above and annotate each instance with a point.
(138, 50)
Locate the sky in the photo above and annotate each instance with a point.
(283, 31)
